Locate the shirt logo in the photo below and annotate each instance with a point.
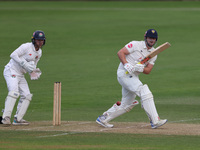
(13, 76)
(30, 54)
(153, 31)
(40, 34)
(130, 45)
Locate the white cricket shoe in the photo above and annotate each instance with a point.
(102, 123)
(21, 122)
(160, 123)
(6, 121)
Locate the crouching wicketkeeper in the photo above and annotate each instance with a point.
(24, 59)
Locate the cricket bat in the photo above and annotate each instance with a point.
(154, 53)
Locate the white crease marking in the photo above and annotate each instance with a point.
(59, 134)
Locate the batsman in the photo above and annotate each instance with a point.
(23, 60)
(128, 77)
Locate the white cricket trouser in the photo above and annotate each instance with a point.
(18, 84)
(132, 87)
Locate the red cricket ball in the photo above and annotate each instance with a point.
(118, 103)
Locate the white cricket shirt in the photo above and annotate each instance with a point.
(25, 51)
(138, 51)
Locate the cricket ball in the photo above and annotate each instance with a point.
(118, 103)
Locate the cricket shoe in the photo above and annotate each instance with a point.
(6, 121)
(22, 122)
(102, 123)
(160, 123)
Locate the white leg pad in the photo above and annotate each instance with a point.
(129, 107)
(10, 103)
(116, 111)
(24, 107)
(148, 104)
(113, 112)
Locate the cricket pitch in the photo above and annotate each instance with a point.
(119, 127)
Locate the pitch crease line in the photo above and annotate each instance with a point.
(62, 134)
(194, 119)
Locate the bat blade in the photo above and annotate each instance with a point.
(155, 52)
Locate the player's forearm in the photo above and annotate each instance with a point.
(15, 57)
(122, 59)
(122, 56)
(147, 69)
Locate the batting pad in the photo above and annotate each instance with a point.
(117, 110)
(24, 107)
(148, 104)
(10, 103)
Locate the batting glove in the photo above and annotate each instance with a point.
(129, 68)
(139, 68)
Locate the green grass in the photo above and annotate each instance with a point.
(99, 141)
(81, 51)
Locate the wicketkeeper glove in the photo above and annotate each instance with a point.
(28, 66)
(35, 74)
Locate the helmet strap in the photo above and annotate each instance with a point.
(145, 38)
(147, 43)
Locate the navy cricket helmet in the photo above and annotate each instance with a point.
(151, 33)
(38, 35)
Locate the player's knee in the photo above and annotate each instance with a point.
(145, 93)
(29, 97)
(13, 94)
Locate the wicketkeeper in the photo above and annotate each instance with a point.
(128, 76)
(23, 60)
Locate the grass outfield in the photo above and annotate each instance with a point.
(81, 51)
(97, 141)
